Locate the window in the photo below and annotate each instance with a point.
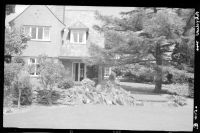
(34, 67)
(77, 36)
(107, 72)
(37, 32)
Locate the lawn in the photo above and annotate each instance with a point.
(157, 115)
(104, 117)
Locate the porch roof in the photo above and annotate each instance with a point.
(73, 57)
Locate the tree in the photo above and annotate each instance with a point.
(10, 9)
(141, 35)
(51, 72)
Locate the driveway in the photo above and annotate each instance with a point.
(160, 117)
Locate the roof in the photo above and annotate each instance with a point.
(78, 25)
(30, 6)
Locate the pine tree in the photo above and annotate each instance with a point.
(141, 35)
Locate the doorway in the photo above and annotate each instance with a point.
(79, 71)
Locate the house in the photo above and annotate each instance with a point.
(60, 33)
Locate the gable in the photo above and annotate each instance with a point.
(35, 13)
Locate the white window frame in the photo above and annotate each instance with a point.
(37, 27)
(107, 71)
(35, 65)
(79, 71)
(78, 34)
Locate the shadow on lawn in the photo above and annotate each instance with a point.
(148, 90)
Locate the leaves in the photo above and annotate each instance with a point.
(15, 42)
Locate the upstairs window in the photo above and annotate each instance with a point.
(78, 37)
(37, 32)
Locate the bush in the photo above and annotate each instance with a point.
(139, 73)
(87, 84)
(179, 76)
(66, 84)
(51, 73)
(112, 76)
(43, 96)
(23, 83)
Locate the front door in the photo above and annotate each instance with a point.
(79, 71)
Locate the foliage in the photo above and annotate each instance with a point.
(43, 96)
(11, 71)
(19, 59)
(10, 9)
(87, 84)
(142, 35)
(139, 73)
(177, 89)
(51, 73)
(23, 83)
(65, 84)
(181, 101)
(15, 42)
(118, 71)
(178, 76)
(112, 76)
(106, 93)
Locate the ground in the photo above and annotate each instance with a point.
(155, 114)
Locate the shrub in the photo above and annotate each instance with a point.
(66, 84)
(179, 76)
(22, 84)
(43, 96)
(139, 73)
(51, 73)
(87, 84)
(112, 76)
(11, 70)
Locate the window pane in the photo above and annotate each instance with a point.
(27, 30)
(46, 33)
(37, 69)
(75, 37)
(40, 32)
(81, 37)
(32, 60)
(33, 33)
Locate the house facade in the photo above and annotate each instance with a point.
(60, 33)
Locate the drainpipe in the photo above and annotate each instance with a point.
(63, 14)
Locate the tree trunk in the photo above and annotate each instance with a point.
(19, 97)
(158, 77)
(99, 74)
(49, 97)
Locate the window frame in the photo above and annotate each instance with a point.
(34, 64)
(37, 31)
(78, 32)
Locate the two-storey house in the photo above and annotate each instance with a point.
(60, 33)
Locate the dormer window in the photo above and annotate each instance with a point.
(78, 36)
(78, 33)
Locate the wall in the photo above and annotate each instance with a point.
(40, 15)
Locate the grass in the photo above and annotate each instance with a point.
(103, 117)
